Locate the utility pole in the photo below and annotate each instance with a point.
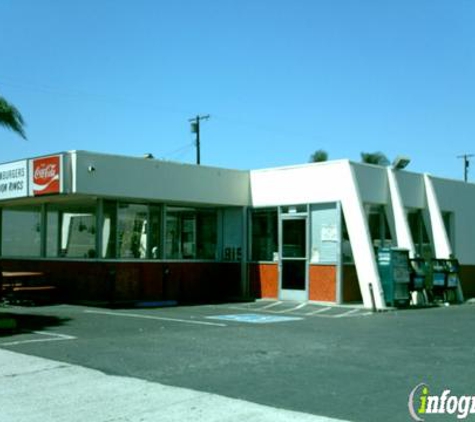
(466, 164)
(195, 128)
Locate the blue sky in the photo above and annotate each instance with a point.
(280, 78)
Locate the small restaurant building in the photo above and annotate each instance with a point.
(117, 229)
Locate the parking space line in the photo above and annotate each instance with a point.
(265, 311)
(270, 305)
(52, 337)
(186, 321)
(295, 308)
(319, 311)
(347, 313)
(361, 314)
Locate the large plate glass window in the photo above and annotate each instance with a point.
(420, 234)
(21, 231)
(379, 227)
(132, 230)
(191, 233)
(71, 231)
(264, 235)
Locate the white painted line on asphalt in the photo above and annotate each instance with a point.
(262, 310)
(186, 321)
(270, 305)
(358, 315)
(295, 308)
(347, 313)
(319, 311)
(52, 337)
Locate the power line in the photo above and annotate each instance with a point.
(177, 151)
(466, 164)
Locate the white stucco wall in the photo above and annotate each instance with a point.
(149, 179)
(309, 183)
(411, 187)
(459, 198)
(372, 182)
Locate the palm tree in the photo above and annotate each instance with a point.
(11, 118)
(377, 158)
(319, 156)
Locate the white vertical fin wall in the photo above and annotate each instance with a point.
(403, 232)
(361, 245)
(442, 247)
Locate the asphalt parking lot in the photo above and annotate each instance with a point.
(340, 362)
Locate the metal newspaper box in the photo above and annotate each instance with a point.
(394, 270)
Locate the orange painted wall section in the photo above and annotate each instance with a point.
(322, 283)
(264, 280)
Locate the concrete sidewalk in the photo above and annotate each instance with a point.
(37, 389)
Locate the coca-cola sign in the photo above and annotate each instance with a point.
(46, 175)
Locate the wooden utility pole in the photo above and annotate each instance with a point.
(466, 164)
(195, 128)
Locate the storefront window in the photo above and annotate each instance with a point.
(191, 234)
(324, 233)
(132, 230)
(109, 226)
(448, 221)
(71, 231)
(379, 227)
(346, 248)
(154, 232)
(21, 232)
(264, 235)
(419, 234)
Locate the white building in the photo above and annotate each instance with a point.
(105, 227)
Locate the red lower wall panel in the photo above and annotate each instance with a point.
(322, 283)
(264, 280)
(124, 281)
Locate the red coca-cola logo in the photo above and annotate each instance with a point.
(46, 175)
(46, 172)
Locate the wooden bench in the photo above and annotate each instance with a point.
(26, 286)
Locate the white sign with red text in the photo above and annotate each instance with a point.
(13, 180)
(46, 175)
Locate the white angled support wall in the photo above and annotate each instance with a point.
(403, 232)
(361, 245)
(442, 247)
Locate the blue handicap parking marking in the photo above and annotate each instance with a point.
(255, 318)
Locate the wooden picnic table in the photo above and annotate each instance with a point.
(20, 284)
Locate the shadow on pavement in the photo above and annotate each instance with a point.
(16, 323)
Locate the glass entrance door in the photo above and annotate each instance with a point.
(293, 259)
